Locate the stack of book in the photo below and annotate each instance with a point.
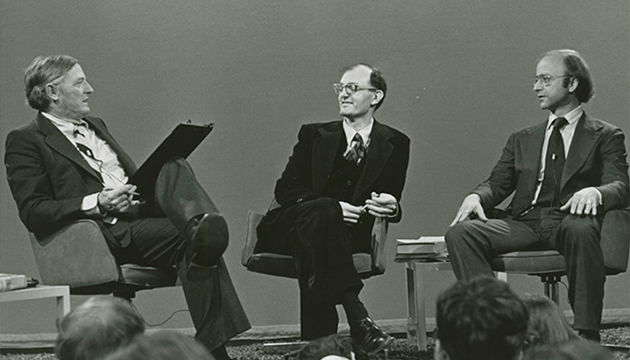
(10, 282)
(431, 247)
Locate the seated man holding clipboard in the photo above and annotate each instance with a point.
(65, 166)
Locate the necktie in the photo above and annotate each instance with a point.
(80, 132)
(356, 150)
(554, 164)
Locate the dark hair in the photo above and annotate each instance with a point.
(164, 345)
(376, 79)
(547, 323)
(97, 327)
(481, 319)
(328, 345)
(42, 71)
(576, 67)
(577, 349)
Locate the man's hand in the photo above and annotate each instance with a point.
(470, 205)
(351, 213)
(583, 202)
(119, 199)
(381, 205)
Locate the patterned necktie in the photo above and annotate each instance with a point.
(80, 132)
(554, 164)
(356, 150)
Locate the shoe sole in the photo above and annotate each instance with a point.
(210, 240)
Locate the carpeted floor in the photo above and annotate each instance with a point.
(618, 338)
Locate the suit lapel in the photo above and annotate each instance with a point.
(586, 134)
(378, 152)
(126, 162)
(324, 152)
(532, 150)
(58, 142)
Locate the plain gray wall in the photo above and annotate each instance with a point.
(460, 76)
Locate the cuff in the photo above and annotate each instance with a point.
(90, 203)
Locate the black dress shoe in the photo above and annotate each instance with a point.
(207, 241)
(369, 337)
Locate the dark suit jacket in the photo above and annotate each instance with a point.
(597, 157)
(307, 172)
(49, 177)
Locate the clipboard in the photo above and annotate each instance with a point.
(180, 143)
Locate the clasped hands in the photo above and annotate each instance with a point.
(379, 205)
(119, 199)
(583, 202)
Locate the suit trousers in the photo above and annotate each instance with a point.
(322, 246)
(214, 306)
(473, 244)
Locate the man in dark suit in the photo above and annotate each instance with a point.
(340, 177)
(65, 166)
(565, 172)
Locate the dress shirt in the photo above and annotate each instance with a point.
(365, 133)
(567, 133)
(106, 162)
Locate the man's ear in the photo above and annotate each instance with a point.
(52, 91)
(573, 84)
(439, 353)
(378, 97)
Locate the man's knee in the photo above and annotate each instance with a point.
(322, 207)
(579, 228)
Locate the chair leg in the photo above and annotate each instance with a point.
(551, 287)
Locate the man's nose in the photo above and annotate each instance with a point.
(88, 88)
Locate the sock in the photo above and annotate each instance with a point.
(354, 308)
(220, 353)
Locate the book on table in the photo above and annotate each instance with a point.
(10, 282)
(425, 245)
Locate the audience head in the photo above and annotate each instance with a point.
(480, 319)
(97, 327)
(577, 349)
(162, 346)
(42, 71)
(547, 323)
(328, 347)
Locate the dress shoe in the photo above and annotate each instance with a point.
(369, 337)
(207, 241)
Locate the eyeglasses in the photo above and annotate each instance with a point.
(350, 88)
(548, 79)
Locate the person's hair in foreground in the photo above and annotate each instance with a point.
(325, 346)
(480, 319)
(577, 349)
(547, 323)
(164, 345)
(97, 327)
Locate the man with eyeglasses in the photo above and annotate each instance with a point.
(566, 173)
(64, 166)
(341, 176)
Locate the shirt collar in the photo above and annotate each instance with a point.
(572, 116)
(67, 126)
(365, 132)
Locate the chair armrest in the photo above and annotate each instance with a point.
(615, 239)
(379, 239)
(76, 255)
(253, 219)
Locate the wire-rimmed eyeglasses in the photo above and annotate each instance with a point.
(548, 79)
(350, 88)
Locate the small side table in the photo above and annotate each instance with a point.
(416, 317)
(61, 293)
